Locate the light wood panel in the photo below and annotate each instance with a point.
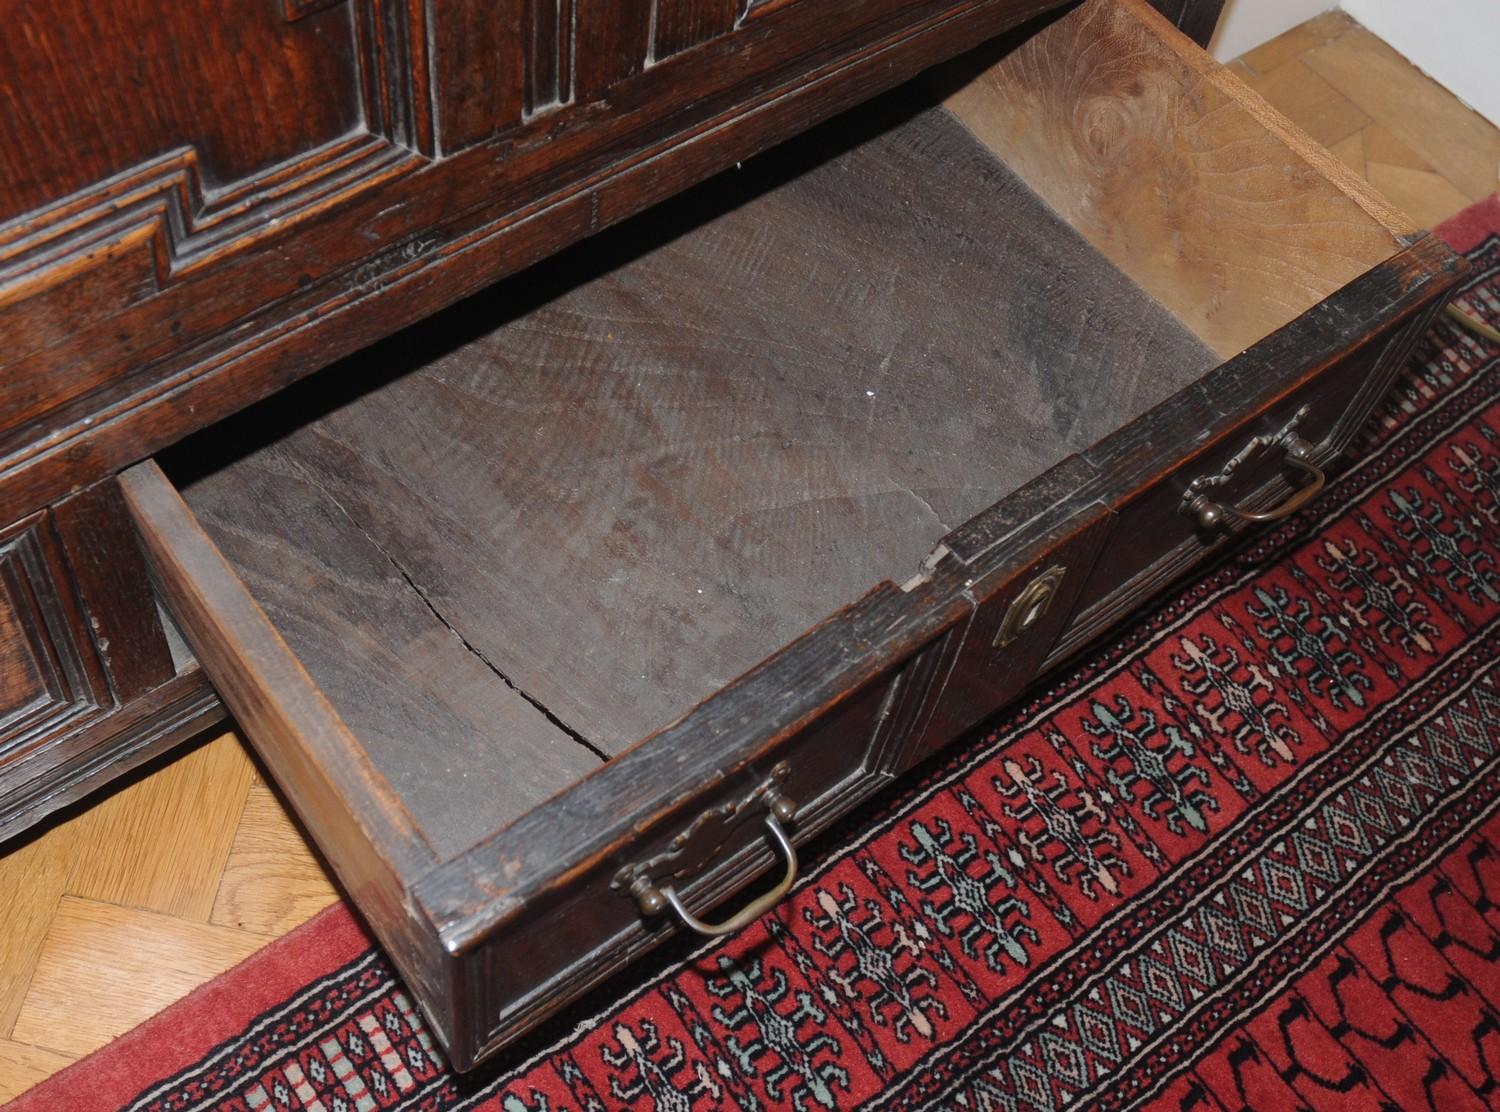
(22, 1066)
(172, 834)
(128, 963)
(1178, 173)
(1458, 143)
(111, 914)
(1419, 146)
(272, 880)
(1291, 45)
(1322, 111)
(33, 878)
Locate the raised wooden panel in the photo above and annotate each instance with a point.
(96, 89)
(47, 681)
(549, 53)
(199, 235)
(481, 58)
(89, 687)
(23, 678)
(611, 41)
(149, 143)
(681, 24)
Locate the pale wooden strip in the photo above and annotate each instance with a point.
(104, 969)
(33, 878)
(1310, 102)
(23, 1066)
(273, 879)
(162, 843)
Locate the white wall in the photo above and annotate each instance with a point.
(1246, 24)
(1457, 42)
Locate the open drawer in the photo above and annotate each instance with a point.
(562, 616)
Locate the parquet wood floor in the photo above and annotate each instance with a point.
(123, 907)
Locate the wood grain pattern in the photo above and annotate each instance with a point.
(132, 962)
(1465, 149)
(1175, 171)
(681, 24)
(273, 879)
(114, 593)
(363, 826)
(151, 303)
(1386, 88)
(613, 500)
(175, 834)
(611, 42)
(549, 58)
(131, 844)
(1292, 44)
(23, 1065)
(54, 682)
(1324, 113)
(33, 878)
(681, 370)
(84, 998)
(380, 646)
(1154, 540)
(72, 74)
(481, 59)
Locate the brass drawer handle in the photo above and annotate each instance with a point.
(653, 900)
(1297, 452)
(703, 840)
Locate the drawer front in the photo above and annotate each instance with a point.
(88, 684)
(1175, 521)
(937, 678)
(705, 851)
(1017, 617)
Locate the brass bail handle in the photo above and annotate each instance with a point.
(1211, 514)
(653, 900)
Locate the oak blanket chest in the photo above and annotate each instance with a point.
(565, 614)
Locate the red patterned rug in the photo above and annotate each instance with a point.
(1248, 856)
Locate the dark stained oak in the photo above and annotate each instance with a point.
(768, 395)
(205, 201)
(215, 201)
(89, 685)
